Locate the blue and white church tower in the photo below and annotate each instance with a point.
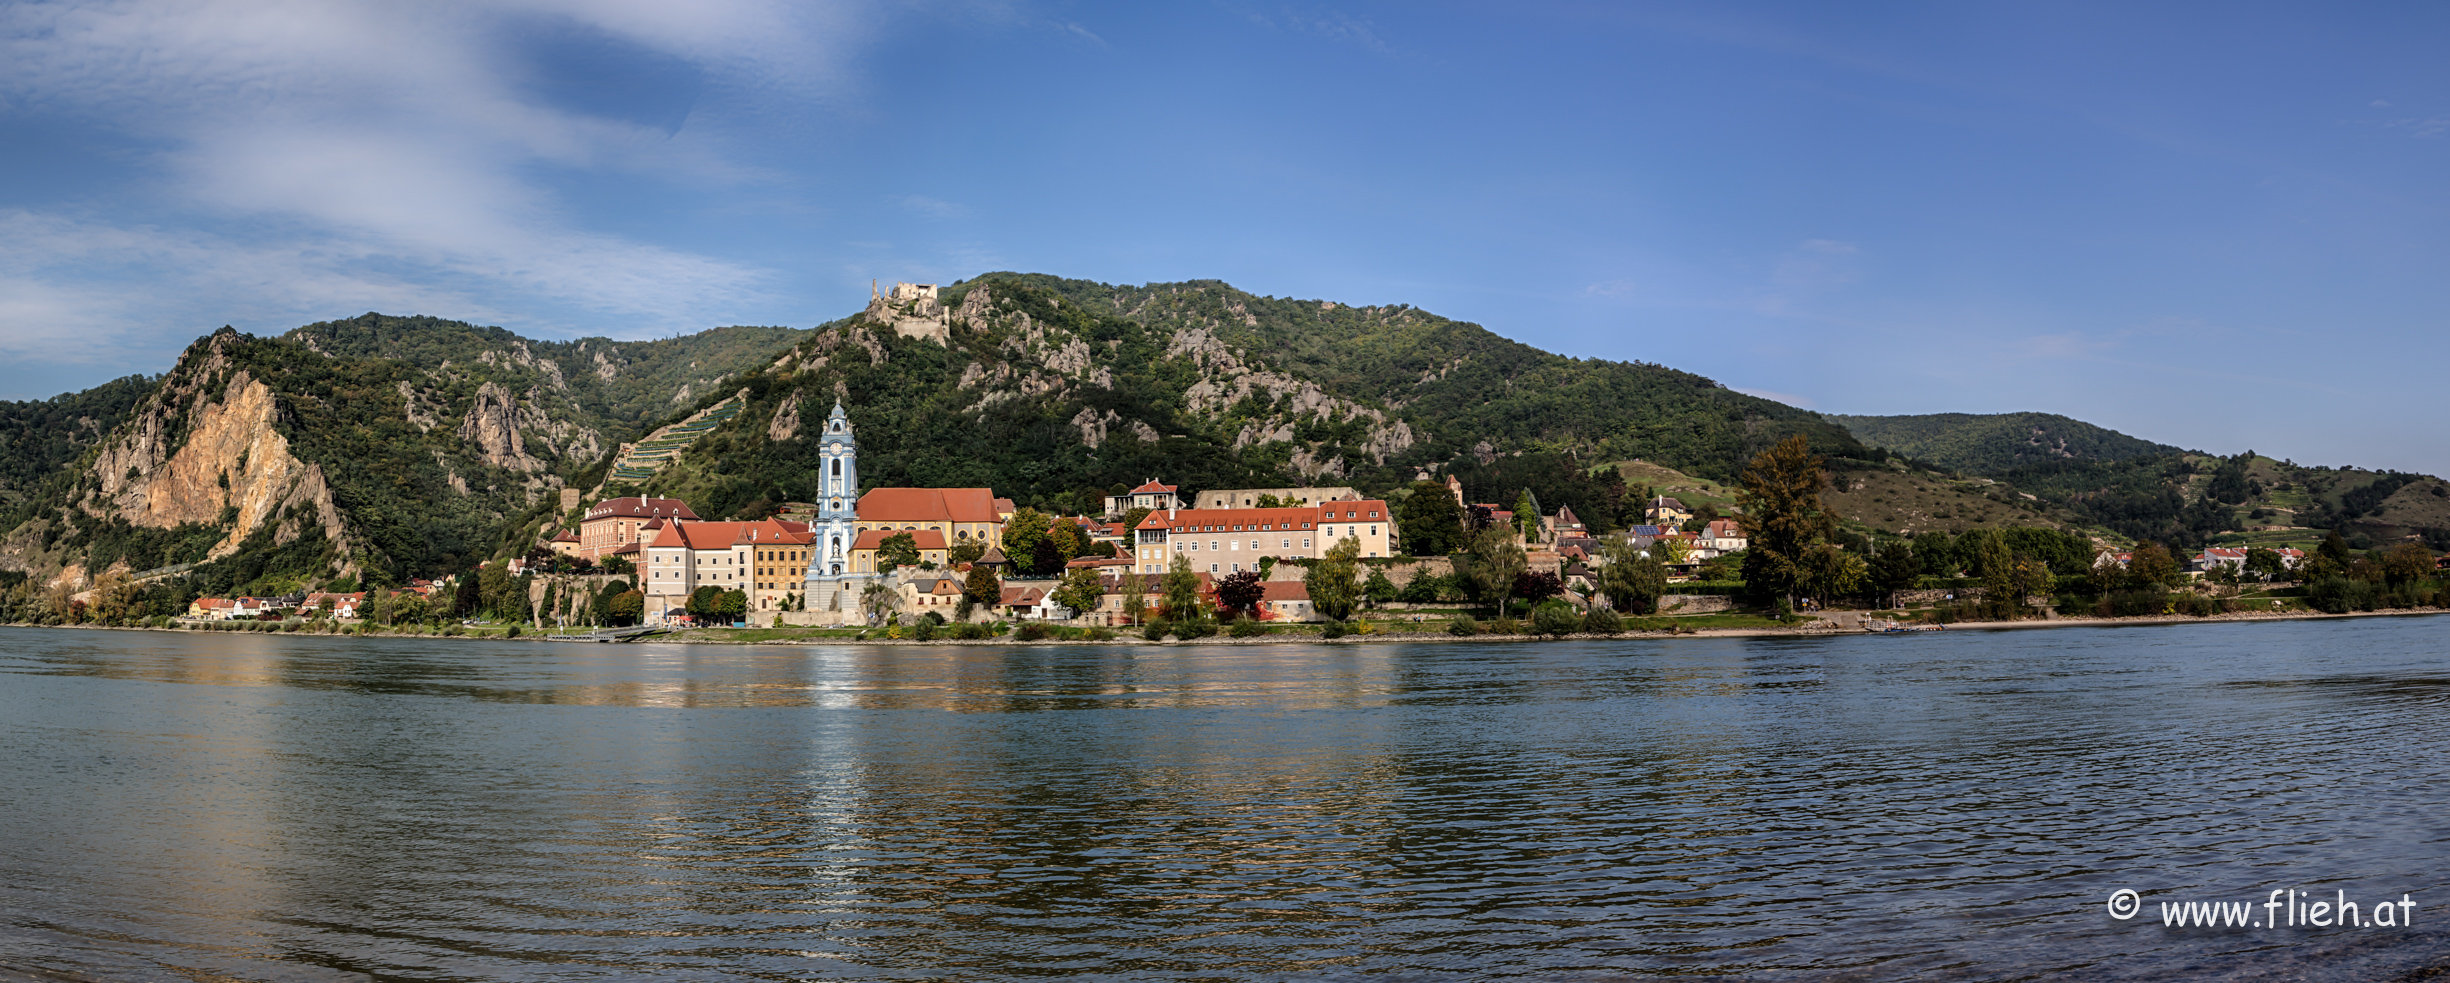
(831, 585)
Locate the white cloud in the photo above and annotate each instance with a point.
(358, 154)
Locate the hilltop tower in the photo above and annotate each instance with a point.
(831, 585)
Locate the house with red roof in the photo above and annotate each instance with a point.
(931, 544)
(617, 522)
(956, 514)
(1224, 541)
(1152, 494)
(766, 560)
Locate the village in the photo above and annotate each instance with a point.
(882, 556)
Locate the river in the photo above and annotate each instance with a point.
(1957, 805)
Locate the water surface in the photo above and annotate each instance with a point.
(1941, 806)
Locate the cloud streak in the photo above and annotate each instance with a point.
(360, 154)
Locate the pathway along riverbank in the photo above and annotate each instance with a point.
(1819, 627)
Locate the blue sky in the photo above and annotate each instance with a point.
(2221, 226)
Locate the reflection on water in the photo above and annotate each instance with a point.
(1945, 807)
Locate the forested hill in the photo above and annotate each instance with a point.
(1991, 443)
(1057, 391)
(1460, 385)
(392, 447)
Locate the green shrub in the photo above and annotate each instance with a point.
(1555, 619)
(1194, 628)
(1030, 632)
(1505, 626)
(1156, 629)
(512, 633)
(1334, 629)
(1101, 634)
(934, 619)
(1602, 621)
(1246, 627)
(1463, 625)
(969, 632)
(927, 627)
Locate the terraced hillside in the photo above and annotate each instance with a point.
(640, 461)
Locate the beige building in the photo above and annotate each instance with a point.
(956, 514)
(766, 560)
(1248, 498)
(1226, 541)
(1153, 495)
(619, 522)
(863, 551)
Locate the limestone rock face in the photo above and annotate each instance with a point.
(230, 456)
(492, 425)
(786, 423)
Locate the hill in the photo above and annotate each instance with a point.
(382, 446)
(1058, 391)
(1995, 442)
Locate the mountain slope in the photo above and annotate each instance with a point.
(1989, 443)
(392, 447)
(1056, 391)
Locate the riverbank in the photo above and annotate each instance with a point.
(1830, 623)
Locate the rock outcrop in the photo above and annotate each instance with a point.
(228, 456)
(492, 427)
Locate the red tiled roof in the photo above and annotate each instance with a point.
(1284, 590)
(1022, 596)
(928, 505)
(1152, 488)
(635, 506)
(725, 535)
(927, 539)
(1097, 562)
(564, 536)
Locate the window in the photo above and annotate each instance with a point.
(1212, 568)
(1254, 544)
(1305, 542)
(1373, 530)
(1373, 513)
(1288, 544)
(1212, 547)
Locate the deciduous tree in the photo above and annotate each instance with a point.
(1333, 581)
(1429, 521)
(1240, 593)
(1631, 579)
(1783, 516)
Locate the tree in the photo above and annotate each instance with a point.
(2406, 563)
(1240, 593)
(2265, 565)
(1894, 568)
(1135, 597)
(1632, 580)
(627, 607)
(2152, 564)
(1527, 516)
(898, 550)
(467, 599)
(1132, 517)
(1829, 573)
(494, 588)
(1421, 588)
(1537, 586)
(704, 601)
(1671, 549)
(1783, 516)
(1429, 521)
(1490, 565)
(1556, 619)
(965, 551)
(1081, 590)
(1069, 543)
(1334, 580)
(732, 605)
(981, 587)
(1378, 588)
(1180, 591)
(1024, 533)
